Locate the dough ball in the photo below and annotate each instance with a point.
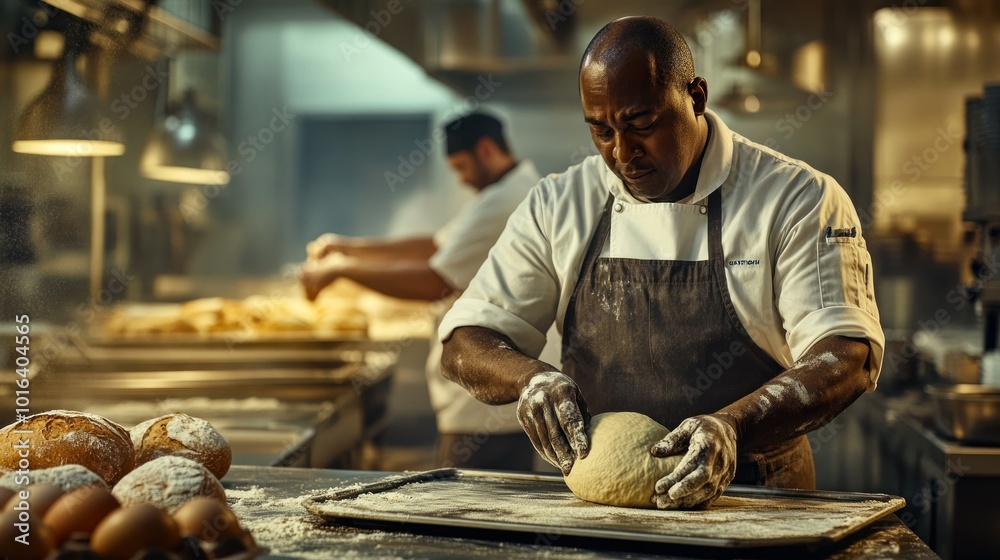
(63, 437)
(67, 477)
(184, 436)
(620, 471)
(168, 483)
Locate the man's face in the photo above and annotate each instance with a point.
(470, 169)
(647, 133)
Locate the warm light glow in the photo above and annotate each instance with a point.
(972, 39)
(751, 103)
(753, 58)
(69, 148)
(946, 36)
(890, 23)
(186, 175)
(49, 45)
(808, 63)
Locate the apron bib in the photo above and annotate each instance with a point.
(663, 338)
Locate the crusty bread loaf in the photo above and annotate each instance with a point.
(64, 437)
(168, 483)
(67, 477)
(184, 436)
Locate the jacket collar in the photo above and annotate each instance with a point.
(715, 166)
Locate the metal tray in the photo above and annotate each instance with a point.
(195, 353)
(745, 517)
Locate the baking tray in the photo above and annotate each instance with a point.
(192, 352)
(744, 517)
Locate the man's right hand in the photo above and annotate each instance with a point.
(554, 415)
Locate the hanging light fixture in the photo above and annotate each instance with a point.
(68, 119)
(186, 147)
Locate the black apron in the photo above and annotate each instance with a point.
(662, 338)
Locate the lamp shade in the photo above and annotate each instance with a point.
(186, 147)
(67, 119)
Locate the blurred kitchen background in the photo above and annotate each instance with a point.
(318, 115)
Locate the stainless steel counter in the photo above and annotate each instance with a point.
(888, 444)
(267, 501)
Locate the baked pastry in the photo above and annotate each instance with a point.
(183, 436)
(67, 477)
(168, 483)
(65, 437)
(213, 314)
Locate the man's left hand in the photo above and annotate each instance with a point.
(706, 469)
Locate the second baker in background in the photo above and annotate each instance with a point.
(437, 268)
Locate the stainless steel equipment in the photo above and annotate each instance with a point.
(300, 400)
(967, 413)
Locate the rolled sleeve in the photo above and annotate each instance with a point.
(850, 322)
(823, 278)
(515, 292)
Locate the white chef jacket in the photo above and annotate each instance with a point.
(793, 281)
(462, 246)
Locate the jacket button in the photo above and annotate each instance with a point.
(703, 209)
(619, 207)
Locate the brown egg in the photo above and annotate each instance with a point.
(79, 511)
(5, 494)
(131, 529)
(40, 499)
(38, 537)
(207, 519)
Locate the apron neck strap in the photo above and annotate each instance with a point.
(715, 254)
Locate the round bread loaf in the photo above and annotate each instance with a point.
(65, 437)
(184, 436)
(168, 483)
(67, 477)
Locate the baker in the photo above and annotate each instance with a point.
(435, 268)
(704, 280)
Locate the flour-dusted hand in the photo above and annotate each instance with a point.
(707, 468)
(554, 415)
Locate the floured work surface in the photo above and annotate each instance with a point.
(744, 517)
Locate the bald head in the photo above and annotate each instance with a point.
(651, 38)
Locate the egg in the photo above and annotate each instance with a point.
(208, 519)
(79, 511)
(40, 499)
(38, 537)
(128, 530)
